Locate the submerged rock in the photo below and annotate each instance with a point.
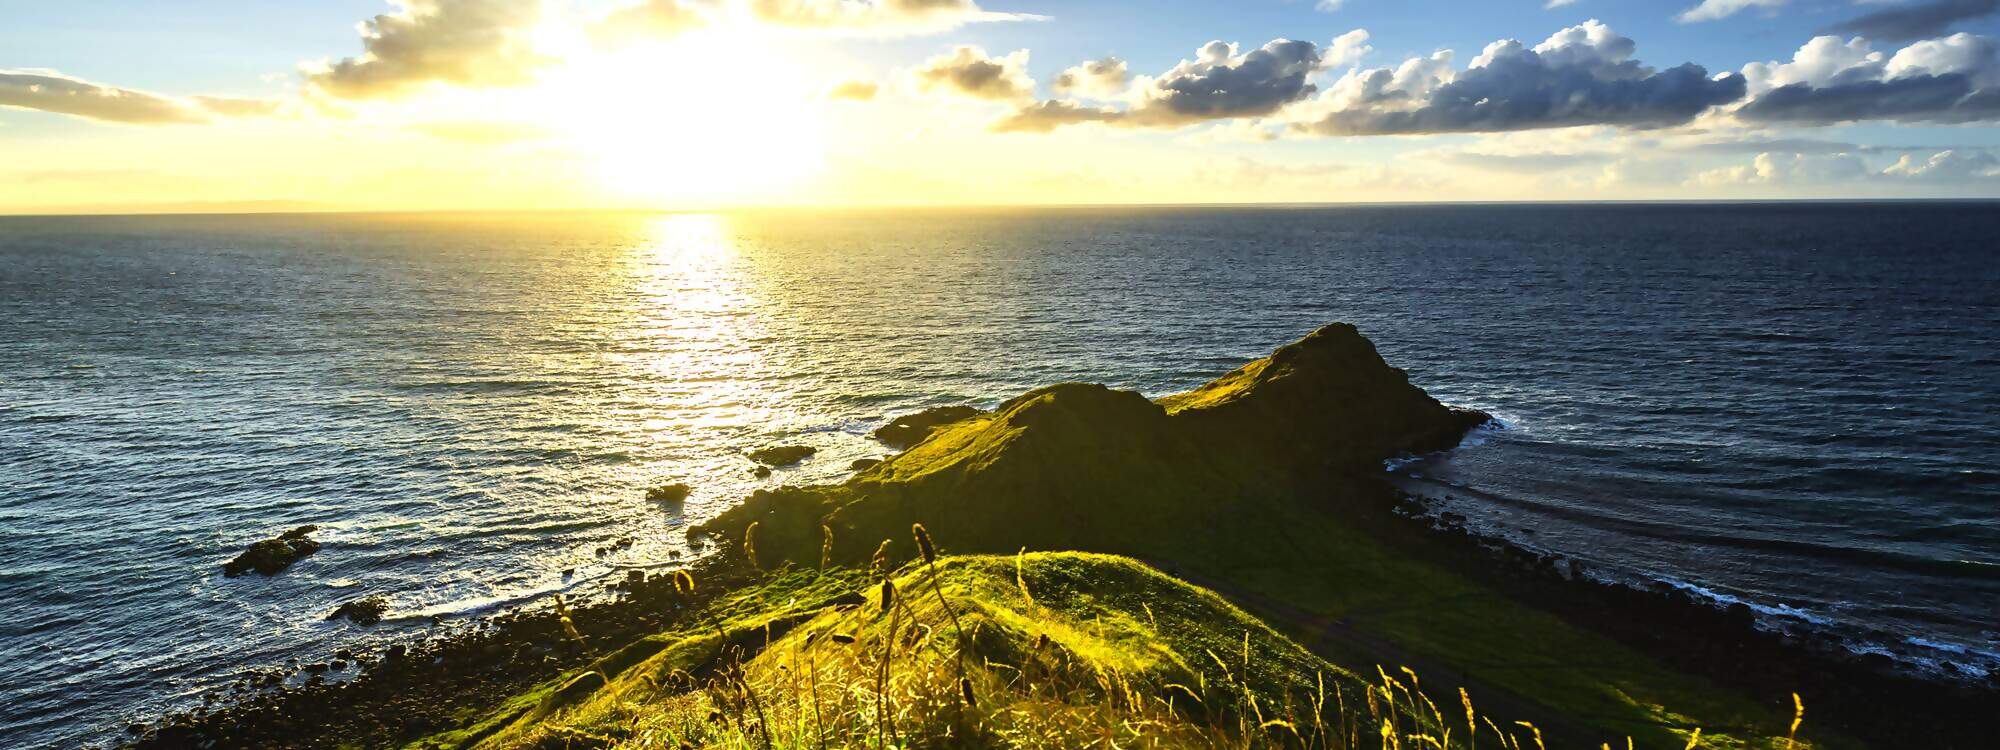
(910, 429)
(273, 555)
(367, 610)
(668, 493)
(782, 455)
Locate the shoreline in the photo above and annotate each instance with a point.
(1707, 639)
(1421, 496)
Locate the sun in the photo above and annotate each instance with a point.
(719, 115)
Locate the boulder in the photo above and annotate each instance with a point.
(366, 610)
(782, 455)
(273, 555)
(864, 464)
(910, 429)
(668, 493)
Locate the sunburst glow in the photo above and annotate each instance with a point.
(717, 114)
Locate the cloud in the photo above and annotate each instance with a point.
(1712, 10)
(1954, 79)
(1582, 75)
(1347, 49)
(50, 91)
(1043, 117)
(857, 91)
(1947, 166)
(1554, 4)
(457, 42)
(969, 72)
(1811, 170)
(882, 16)
(1220, 83)
(1920, 21)
(648, 19)
(1097, 79)
(1778, 169)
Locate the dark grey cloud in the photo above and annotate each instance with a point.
(1954, 79)
(456, 42)
(1922, 20)
(1224, 85)
(1583, 75)
(1219, 84)
(1949, 98)
(49, 91)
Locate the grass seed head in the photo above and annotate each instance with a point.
(924, 545)
(879, 564)
(683, 583)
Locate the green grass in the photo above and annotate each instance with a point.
(1059, 650)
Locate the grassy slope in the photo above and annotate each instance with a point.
(1131, 655)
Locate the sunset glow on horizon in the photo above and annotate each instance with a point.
(700, 104)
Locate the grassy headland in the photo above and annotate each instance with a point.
(1106, 544)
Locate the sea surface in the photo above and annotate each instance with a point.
(1796, 406)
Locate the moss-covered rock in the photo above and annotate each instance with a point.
(909, 429)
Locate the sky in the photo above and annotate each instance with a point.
(223, 105)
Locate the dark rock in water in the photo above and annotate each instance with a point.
(273, 555)
(864, 464)
(668, 493)
(910, 429)
(782, 455)
(761, 472)
(367, 610)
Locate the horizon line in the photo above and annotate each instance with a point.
(295, 209)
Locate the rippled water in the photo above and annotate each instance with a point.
(1795, 405)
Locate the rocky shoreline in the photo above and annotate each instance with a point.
(1071, 467)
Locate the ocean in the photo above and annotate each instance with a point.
(1794, 406)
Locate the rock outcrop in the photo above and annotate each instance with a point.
(1082, 466)
(782, 455)
(367, 610)
(271, 556)
(668, 493)
(909, 429)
